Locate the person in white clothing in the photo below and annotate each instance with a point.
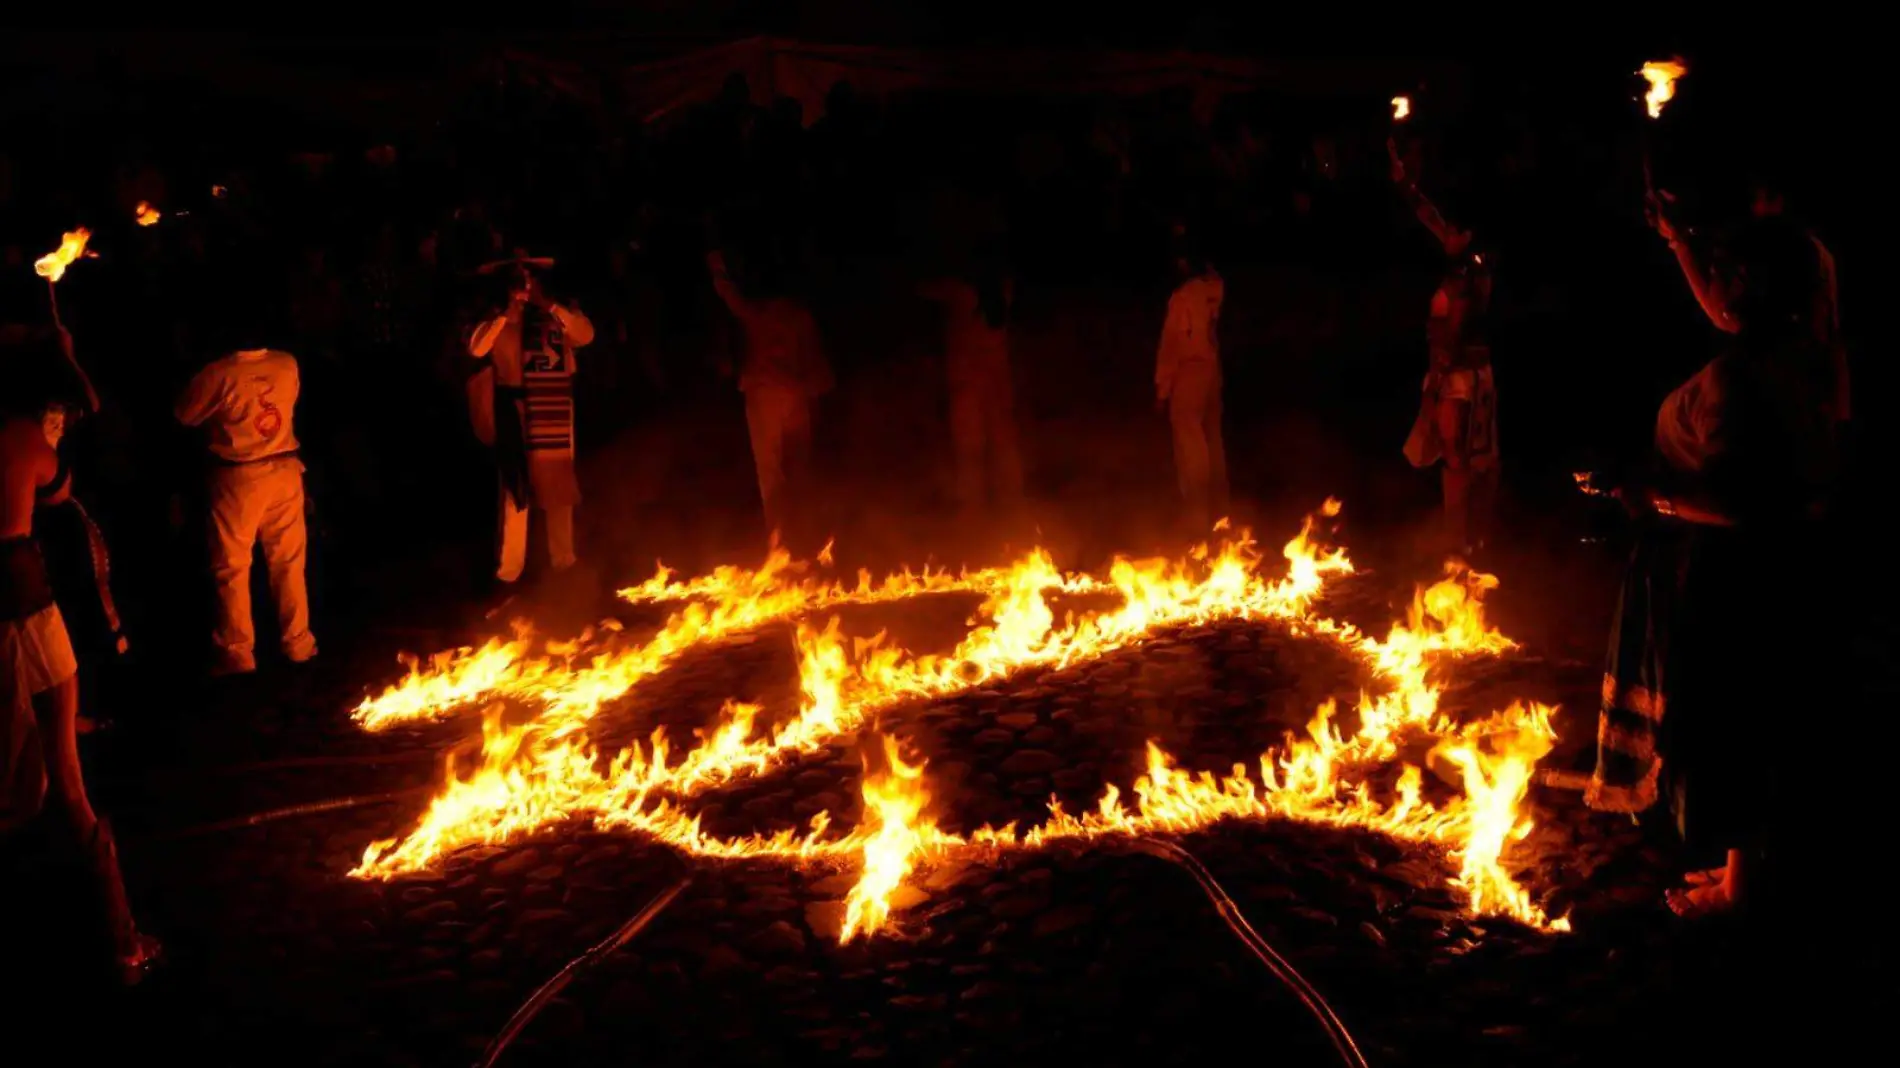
(976, 366)
(1188, 388)
(522, 406)
(784, 370)
(246, 402)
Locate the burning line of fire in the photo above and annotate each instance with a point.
(544, 771)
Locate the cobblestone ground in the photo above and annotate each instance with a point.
(1065, 956)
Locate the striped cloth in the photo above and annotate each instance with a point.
(1630, 717)
(547, 376)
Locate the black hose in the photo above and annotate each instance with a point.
(579, 964)
(1230, 913)
(335, 804)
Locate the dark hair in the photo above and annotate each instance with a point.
(242, 308)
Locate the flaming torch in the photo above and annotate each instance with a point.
(1401, 108)
(146, 214)
(1661, 74)
(52, 267)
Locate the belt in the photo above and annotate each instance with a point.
(221, 461)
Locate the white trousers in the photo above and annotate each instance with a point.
(1200, 459)
(250, 505)
(983, 431)
(779, 421)
(514, 538)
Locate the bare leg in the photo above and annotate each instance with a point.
(56, 710)
(1187, 414)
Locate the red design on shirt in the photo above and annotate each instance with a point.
(268, 420)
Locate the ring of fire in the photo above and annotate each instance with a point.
(545, 770)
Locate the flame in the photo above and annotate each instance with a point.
(1661, 75)
(542, 769)
(894, 803)
(146, 214)
(52, 266)
(1401, 108)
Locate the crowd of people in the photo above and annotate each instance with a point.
(343, 320)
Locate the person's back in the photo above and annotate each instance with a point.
(1194, 317)
(246, 402)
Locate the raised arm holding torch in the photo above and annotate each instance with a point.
(1661, 74)
(52, 267)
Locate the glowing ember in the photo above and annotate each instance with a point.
(52, 266)
(1661, 74)
(146, 214)
(543, 770)
(1401, 108)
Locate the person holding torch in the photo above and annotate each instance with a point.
(1457, 418)
(39, 684)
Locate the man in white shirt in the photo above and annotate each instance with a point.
(246, 403)
(522, 405)
(1188, 388)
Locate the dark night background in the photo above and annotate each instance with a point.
(1527, 129)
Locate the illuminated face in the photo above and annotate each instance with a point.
(53, 424)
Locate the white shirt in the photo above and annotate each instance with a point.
(1192, 331)
(247, 402)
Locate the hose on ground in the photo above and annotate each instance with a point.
(1230, 914)
(335, 804)
(600, 952)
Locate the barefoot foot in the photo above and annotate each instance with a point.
(1698, 901)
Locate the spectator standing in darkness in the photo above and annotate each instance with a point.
(982, 397)
(1458, 409)
(784, 370)
(1188, 387)
(245, 401)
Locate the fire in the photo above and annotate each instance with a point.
(1401, 108)
(146, 214)
(1661, 75)
(541, 769)
(52, 266)
(893, 803)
